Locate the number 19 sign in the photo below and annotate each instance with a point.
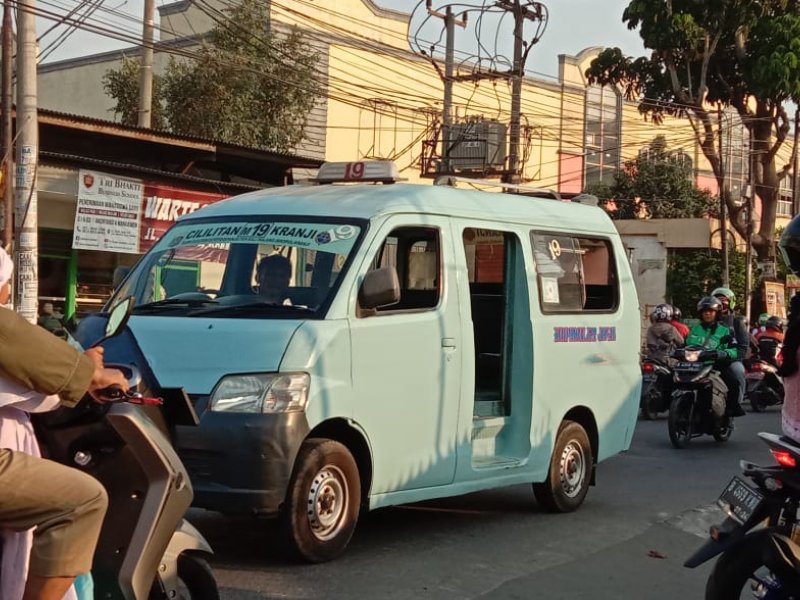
(384, 171)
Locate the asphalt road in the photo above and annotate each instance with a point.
(649, 510)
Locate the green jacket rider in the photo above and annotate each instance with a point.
(711, 334)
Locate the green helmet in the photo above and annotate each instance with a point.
(727, 293)
(762, 319)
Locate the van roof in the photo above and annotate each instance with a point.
(366, 201)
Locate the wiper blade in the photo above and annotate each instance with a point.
(174, 302)
(252, 307)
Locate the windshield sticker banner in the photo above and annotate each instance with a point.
(314, 236)
(107, 216)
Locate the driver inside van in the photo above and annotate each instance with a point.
(273, 274)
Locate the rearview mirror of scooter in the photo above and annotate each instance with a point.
(117, 318)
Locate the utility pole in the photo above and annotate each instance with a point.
(26, 255)
(723, 210)
(749, 202)
(450, 23)
(146, 65)
(518, 71)
(6, 149)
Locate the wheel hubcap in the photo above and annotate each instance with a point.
(572, 469)
(327, 502)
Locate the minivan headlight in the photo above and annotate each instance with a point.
(261, 393)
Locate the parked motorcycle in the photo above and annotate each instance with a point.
(146, 550)
(656, 388)
(764, 385)
(762, 561)
(698, 398)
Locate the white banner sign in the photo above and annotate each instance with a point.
(108, 213)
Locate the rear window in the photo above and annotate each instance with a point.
(575, 273)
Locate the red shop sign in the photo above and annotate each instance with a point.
(163, 205)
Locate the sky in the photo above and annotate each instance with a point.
(572, 26)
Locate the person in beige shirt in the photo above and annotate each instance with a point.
(66, 506)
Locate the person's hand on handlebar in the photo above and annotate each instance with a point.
(103, 378)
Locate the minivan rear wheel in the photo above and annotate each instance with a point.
(323, 501)
(570, 471)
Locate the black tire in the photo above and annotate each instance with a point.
(754, 395)
(679, 422)
(322, 502)
(648, 389)
(724, 431)
(741, 566)
(570, 471)
(195, 581)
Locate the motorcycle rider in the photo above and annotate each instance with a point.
(662, 336)
(770, 340)
(711, 334)
(65, 505)
(733, 373)
(682, 328)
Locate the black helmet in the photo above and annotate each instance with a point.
(775, 323)
(662, 313)
(709, 302)
(790, 245)
(676, 313)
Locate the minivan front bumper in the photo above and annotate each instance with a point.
(241, 463)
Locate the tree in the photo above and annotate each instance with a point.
(123, 86)
(658, 183)
(711, 54)
(246, 85)
(692, 274)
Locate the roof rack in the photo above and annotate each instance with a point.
(521, 190)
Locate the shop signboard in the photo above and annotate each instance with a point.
(107, 216)
(163, 205)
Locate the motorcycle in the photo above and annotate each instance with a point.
(764, 385)
(698, 399)
(146, 550)
(656, 388)
(765, 560)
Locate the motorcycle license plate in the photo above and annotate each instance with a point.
(648, 377)
(754, 376)
(739, 500)
(690, 366)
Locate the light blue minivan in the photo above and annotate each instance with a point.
(371, 343)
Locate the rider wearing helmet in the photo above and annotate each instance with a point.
(676, 322)
(762, 321)
(662, 336)
(770, 340)
(711, 334)
(733, 374)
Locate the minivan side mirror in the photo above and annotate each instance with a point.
(380, 287)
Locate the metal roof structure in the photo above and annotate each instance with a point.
(71, 140)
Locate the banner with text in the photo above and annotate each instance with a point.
(163, 205)
(107, 217)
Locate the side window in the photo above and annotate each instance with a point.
(574, 273)
(415, 252)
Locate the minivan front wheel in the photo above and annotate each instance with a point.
(322, 502)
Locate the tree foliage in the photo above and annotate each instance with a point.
(706, 54)
(658, 184)
(123, 86)
(246, 85)
(692, 274)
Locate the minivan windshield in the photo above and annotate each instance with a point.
(243, 267)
